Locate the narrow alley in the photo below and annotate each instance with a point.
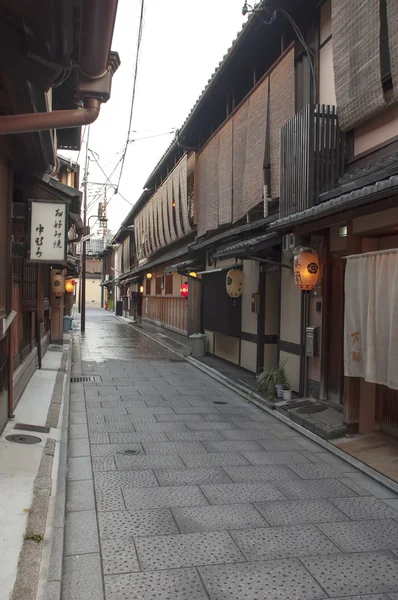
(178, 489)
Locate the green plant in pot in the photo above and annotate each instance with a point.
(286, 391)
(273, 380)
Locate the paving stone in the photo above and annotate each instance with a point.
(160, 427)
(204, 409)
(296, 512)
(334, 461)
(153, 461)
(365, 508)
(311, 471)
(119, 556)
(81, 533)
(124, 479)
(104, 463)
(372, 487)
(185, 550)
(114, 409)
(78, 447)
(182, 418)
(216, 418)
(363, 536)
(372, 597)
(78, 431)
(124, 523)
(232, 446)
(273, 580)
(320, 488)
(99, 438)
(124, 427)
(275, 458)
(281, 444)
(350, 574)
(179, 584)
(163, 496)
(212, 518)
(173, 447)
(80, 495)
(250, 434)
(214, 459)
(185, 436)
(82, 579)
(137, 437)
(250, 424)
(283, 542)
(206, 426)
(109, 498)
(191, 476)
(101, 450)
(238, 493)
(77, 418)
(79, 468)
(259, 473)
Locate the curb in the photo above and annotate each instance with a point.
(267, 407)
(56, 531)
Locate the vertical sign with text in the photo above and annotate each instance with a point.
(48, 241)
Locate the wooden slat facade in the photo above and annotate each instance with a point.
(169, 311)
(312, 157)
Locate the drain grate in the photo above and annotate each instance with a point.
(19, 438)
(38, 428)
(219, 402)
(129, 451)
(84, 379)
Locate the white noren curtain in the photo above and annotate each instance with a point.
(371, 317)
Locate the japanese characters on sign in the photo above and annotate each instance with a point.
(356, 354)
(48, 232)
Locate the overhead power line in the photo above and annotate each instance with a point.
(137, 60)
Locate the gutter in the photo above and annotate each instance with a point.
(98, 20)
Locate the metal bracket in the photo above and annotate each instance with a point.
(5, 323)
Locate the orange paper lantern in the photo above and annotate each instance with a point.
(306, 268)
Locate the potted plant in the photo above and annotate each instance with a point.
(286, 391)
(273, 380)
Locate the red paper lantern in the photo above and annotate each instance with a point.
(184, 290)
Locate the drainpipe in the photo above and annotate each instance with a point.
(98, 20)
(58, 119)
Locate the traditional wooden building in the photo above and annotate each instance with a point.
(46, 49)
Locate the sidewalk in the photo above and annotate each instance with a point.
(179, 489)
(28, 479)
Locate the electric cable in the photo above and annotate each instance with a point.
(137, 60)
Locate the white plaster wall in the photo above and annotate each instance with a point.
(248, 356)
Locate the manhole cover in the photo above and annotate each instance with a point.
(309, 410)
(23, 439)
(219, 402)
(129, 451)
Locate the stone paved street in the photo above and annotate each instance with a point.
(178, 489)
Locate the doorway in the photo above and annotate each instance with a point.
(335, 379)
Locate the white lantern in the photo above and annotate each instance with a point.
(306, 268)
(234, 283)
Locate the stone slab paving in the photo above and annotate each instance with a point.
(174, 495)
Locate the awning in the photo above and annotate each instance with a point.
(205, 242)
(108, 283)
(353, 199)
(185, 264)
(249, 247)
(158, 260)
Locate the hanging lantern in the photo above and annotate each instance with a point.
(234, 283)
(184, 290)
(57, 282)
(193, 274)
(141, 289)
(70, 286)
(306, 268)
(149, 275)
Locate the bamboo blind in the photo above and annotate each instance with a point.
(356, 59)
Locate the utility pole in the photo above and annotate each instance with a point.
(84, 248)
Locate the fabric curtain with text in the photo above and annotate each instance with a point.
(371, 317)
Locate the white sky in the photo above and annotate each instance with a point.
(183, 42)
